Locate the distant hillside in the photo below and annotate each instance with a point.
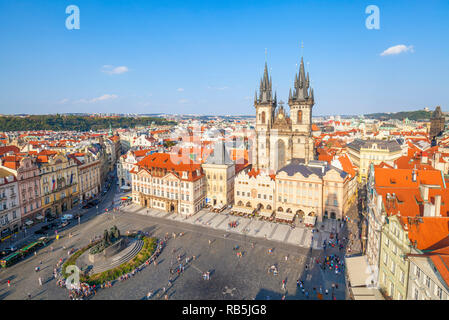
(411, 115)
(79, 123)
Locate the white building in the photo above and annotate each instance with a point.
(10, 217)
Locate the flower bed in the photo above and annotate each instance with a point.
(149, 246)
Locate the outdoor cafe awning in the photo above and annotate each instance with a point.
(29, 222)
(246, 210)
(39, 217)
(359, 275)
(125, 187)
(284, 215)
(310, 220)
(265, 213)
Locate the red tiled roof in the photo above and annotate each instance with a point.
(7, 149)
(166, 161)
(430, 234)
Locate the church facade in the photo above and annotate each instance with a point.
(281, 137)
(286, 183)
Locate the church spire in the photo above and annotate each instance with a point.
(302, 84)
(265, 91)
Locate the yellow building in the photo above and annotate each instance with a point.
(316, 189)
(59, 182)
(219, 170)
(364, 152)
(393, 264)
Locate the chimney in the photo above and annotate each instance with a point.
(413, 175)
(438, 205)
(425, 193)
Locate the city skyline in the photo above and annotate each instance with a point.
(194, 58)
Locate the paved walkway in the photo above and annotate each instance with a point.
(299, 236)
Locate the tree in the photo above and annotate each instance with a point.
(106, 238)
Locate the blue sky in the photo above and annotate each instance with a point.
(208, 56)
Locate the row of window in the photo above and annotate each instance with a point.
(427, 281)
(5, 219)
(248, 195)
(161, 193)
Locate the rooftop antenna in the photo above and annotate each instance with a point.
(302, 48)
(265, 55)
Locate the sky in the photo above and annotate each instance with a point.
(207, 57)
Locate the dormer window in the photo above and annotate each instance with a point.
(184, 174)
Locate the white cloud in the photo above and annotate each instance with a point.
(104, 97)
(114, 70)
(63, 101)
(180, 89)
(400, 48)
(100, 98)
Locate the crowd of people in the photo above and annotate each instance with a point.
(83, 292)
(331, 262)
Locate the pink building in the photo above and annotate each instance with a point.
(26, 171)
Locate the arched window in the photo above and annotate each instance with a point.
(263, 117)
(299, 120)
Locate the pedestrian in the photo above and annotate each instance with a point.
(9, 283)
(40, 281)
(29, 296)
(149, 294)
